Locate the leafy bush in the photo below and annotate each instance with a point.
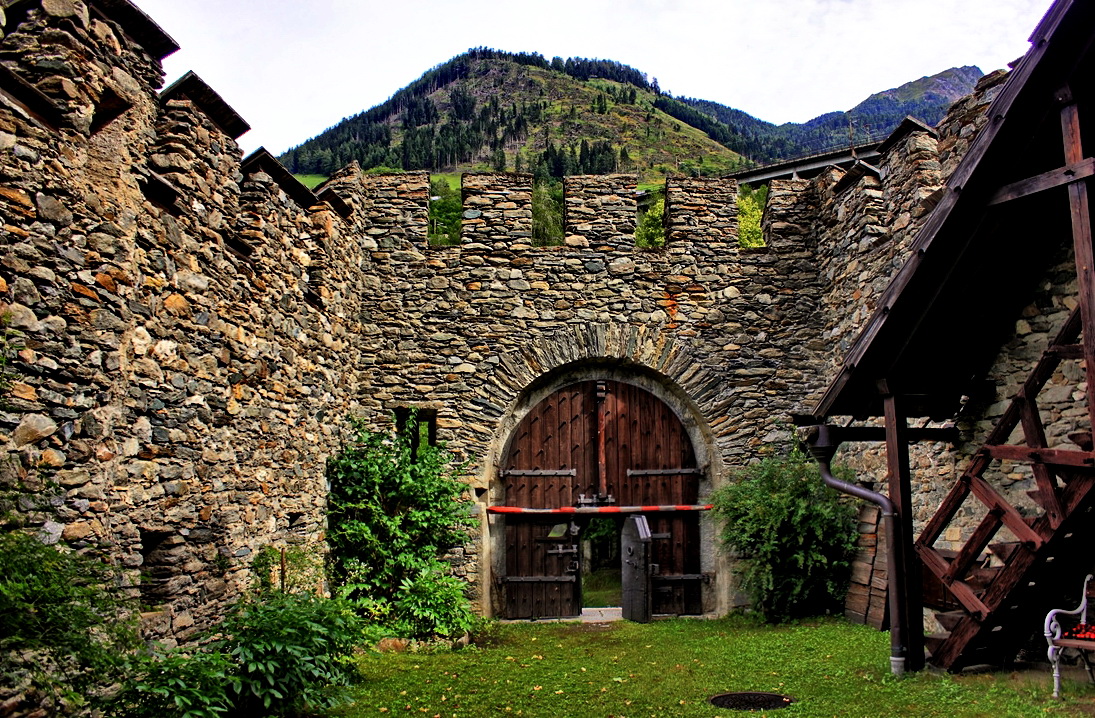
(392, 510)
(650, 233)
(64, 627)
(177, 683)
(284, 655)
(795, 535)
(750, 211)
(291, 652)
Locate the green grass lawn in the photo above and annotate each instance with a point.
(670, 668)
(602, 588)
(311, 181)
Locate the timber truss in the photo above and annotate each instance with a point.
(999, 598)
(1006, 565)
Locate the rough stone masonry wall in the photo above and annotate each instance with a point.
(479, 331)
(187, 364)
(601, 211)
(864, 235)
(180, 397)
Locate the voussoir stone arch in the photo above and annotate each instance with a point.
(643, 355)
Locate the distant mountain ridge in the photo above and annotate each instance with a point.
(489, 109)
(927, 99)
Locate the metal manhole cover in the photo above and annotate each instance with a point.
(750, 701)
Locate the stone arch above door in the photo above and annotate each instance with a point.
(648, 357)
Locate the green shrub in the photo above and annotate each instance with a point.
(178, 683)
(392, 512)
(750, 212)
(291, 653)
(650, 232)
(433, 603)
(287, 654)
(795, 536)
(65, 629)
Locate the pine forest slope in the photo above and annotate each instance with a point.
(488, 109)
(496, 112)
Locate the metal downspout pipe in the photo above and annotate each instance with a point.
(823, 451)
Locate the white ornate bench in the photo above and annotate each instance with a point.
(1079, 636)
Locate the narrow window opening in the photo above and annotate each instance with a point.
(446, 210)
(109, 108)
(751, 203)
(157, 567)
(238, 247)
(547, 212)
(418, 425)
(651, 221)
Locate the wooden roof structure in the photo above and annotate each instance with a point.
(939, 324)
(208, 101)
(261, 159)
(1009, 212)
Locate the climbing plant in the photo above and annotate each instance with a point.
(393, 510)
(795, 535)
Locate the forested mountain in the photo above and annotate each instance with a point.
(488, 109)
(926, 99)
(491, 109)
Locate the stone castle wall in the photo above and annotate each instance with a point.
(194, 330)
(181, 394)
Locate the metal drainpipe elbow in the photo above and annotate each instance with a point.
(823, 451)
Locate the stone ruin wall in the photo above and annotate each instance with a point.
(180, 397)
(187, 363)
(471, 331)
(191, 338)
(863, 235)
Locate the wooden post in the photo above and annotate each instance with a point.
(1081, 239)
(900, 490)
(602, 421)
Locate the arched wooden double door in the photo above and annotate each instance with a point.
(607, 444)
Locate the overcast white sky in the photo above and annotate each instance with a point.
(292, 69)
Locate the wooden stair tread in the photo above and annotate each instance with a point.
(980, 577)
(1005, 549)
(949, 619)
(934, 641)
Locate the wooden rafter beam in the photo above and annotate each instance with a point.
(1081, 236)
(1047, 180)
(1051, 457)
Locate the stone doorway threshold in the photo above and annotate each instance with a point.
(589, 615)
(602, 615)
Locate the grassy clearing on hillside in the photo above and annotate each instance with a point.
(452, 178)
(311, 181)
(671, 668)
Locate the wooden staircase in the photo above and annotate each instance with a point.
(1002, 595)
